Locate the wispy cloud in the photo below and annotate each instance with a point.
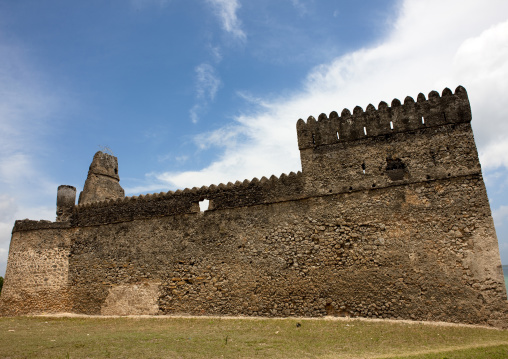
(207, 81)
(226, 12)
(207, 85)
(216, 53)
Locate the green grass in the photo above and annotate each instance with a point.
(43, 337)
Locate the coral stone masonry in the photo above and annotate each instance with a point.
(389, 218)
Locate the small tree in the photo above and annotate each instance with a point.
(1, 283)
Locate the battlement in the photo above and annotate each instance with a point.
(449, 108)
(220, 197)
(203, 191)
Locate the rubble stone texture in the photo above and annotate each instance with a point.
(102, 182)
(389, 218)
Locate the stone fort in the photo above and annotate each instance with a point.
(389, 218)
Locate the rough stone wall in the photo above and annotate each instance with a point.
(421, 251)
(239, 194)
(36, 279)
(102, 182)
(392, 224)
(414, 142)
(65, 202)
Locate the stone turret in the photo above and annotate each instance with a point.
(65, 201)
(102, 182)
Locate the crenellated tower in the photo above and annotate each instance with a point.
(416, 141)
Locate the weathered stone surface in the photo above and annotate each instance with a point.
(380, 223)
(38, 269)
(65, 202)
(132, 299)
(102, 182)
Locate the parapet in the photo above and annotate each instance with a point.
(223, 196)
(449, 108)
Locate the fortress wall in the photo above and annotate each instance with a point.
(413, 142)
(37, 270)
(422, 251)
(423, 155)
(382, 222)
(246, 193)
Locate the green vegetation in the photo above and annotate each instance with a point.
(43, 337)
(1, 283)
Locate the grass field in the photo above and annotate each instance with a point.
(49, 337)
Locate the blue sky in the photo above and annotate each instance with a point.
(192, 93)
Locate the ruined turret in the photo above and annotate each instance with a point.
(65, 201)
(102, 182)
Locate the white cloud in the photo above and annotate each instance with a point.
(500, 215)
(5, 238)
(482, 63)
(226, 11)
(258, 101)
(8, 207)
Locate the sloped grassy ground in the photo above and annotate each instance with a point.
(50, 337)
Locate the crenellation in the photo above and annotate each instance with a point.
(437, 110)
(389, 218)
